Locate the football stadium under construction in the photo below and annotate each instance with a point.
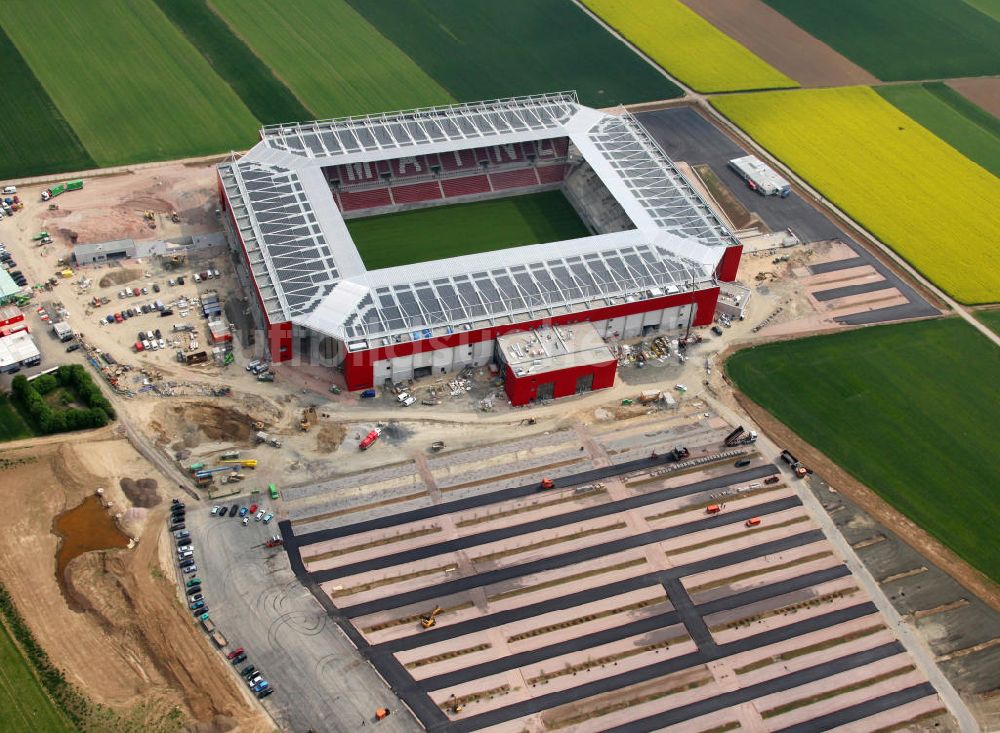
(653, 260)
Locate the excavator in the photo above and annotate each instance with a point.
(428, 620)
(308, 416)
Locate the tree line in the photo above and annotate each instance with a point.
(30, 396)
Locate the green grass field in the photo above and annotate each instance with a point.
(26, 707)
(132, 87)
(898, 40)
(971, 130)
(482, 49)
(907, 409)
(331, 57)
(267, 98)
(463, 229)
(990, 318)
(12, 425)
(34, 137)
(989, 7)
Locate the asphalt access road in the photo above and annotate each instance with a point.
(554, 522)
(644, 674)
(689, 614)
(600, 592)
(320, 680)
(746, 694)
(863, 710)
(566, 559)
(684, 134)
(696, 627)
(495, 497)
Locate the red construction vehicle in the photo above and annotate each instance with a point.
(795, 464)
(772, 480)
(547, 483)
(753, 521)
(369, 439)
(275, 541)
(713, 509)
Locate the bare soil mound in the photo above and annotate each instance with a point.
(120, 276)
(189, 425)
(329, 437)
(147, 203)
(141, 492)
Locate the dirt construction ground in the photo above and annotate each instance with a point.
(118, 630)
(781, 43)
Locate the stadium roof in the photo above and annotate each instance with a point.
(308, 270)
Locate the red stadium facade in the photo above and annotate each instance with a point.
(653, 264)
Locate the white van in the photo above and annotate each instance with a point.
(10, 189)
(197, 278)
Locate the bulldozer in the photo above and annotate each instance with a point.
(257, 425)
(174, 217)
(429, 620)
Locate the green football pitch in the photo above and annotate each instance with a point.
(439, 232)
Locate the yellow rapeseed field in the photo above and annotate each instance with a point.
(932, 205)
(688, 46)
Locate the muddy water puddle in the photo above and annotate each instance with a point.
(85, 528)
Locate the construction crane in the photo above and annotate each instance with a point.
(428, 620)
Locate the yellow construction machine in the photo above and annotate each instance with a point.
(428, 620)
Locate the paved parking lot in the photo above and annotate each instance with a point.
(613, 602)
(320, 680)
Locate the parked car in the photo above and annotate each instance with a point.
(243, 511)
(182, 534)
(191, 569)
(223, 510)
(235, 652)
(264, 693)
(184, 542)
(198, 612)
(248, 671)
(233, 509)
(176, 526)
(156, 288)
(194, 582)
(239, 659)
(186, 562)
(253, 509)
(268, 517)
(196, 605)
(246, 521)
(118, 318)
(215, 509)
(194, 590)
(72, 347)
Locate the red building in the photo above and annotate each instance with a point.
(554, 361)
(11, 320)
